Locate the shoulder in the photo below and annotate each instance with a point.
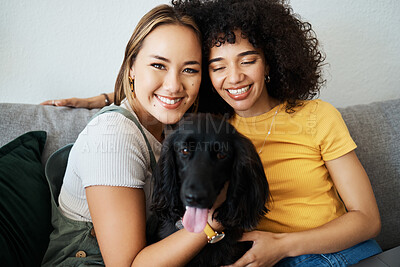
(110, 122)
(317, 111)
(111, 133)
(316, 106)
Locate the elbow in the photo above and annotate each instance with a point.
(374, 224)
(377, 226)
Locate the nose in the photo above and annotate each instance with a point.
(235, 75)
(172, 82)
(196, 199)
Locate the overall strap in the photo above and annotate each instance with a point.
(130, 116)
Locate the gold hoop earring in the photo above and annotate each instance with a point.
(131, 85)
(267, 79)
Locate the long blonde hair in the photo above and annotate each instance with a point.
(160, 15)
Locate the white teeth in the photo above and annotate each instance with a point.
(239, 91)
(169, 101)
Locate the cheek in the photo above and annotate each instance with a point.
(216, 80)
(148, 81)
(259, 74)
(192, 85)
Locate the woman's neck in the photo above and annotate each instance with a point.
(264, 104)
(156, 130)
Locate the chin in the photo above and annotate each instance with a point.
(170, 118)
(240, 106)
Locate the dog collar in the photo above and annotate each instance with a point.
(213, 236)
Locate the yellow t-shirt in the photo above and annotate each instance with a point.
(293, 156)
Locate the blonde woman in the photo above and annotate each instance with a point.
(105, 191)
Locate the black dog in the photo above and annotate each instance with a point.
(196, 161)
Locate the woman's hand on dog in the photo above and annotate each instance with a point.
(268, 249)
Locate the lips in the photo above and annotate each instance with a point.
(169, 102)
(239, 93)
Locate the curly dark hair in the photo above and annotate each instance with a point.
(289, 45)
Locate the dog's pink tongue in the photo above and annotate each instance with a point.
(195, 219)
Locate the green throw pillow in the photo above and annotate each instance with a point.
(25, 207)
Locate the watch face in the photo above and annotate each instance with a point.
(179, 224)
(217, 238)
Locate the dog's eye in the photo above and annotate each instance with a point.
(185, 151)
(221, 155)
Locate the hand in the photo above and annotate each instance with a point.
(267, 249)
(69, 102)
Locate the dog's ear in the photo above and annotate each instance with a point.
(248, 190)
(165, 195)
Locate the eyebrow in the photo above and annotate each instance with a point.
(191, 62)
(245, 53)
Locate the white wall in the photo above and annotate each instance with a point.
(52, 49)
(361, 39)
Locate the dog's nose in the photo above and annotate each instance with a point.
(194, 199)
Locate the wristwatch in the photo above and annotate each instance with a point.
(213, 236)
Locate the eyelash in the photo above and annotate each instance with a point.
(249, 62)
(244, 63)
(217, 69)
(158, 66)
(190, 71)
(162, 67)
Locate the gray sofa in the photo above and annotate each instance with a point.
(374, 127)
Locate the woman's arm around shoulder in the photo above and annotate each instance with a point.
(89, 103)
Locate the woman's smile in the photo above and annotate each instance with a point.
(169, 102)
(239, 93)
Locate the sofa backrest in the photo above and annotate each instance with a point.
(374, 127)
(62, 124)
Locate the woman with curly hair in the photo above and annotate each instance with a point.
(264, 66)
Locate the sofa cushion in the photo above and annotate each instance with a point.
(375, 128)
(25, 210)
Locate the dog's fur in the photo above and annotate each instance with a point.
(196, 161)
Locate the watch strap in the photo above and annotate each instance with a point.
(213, 236)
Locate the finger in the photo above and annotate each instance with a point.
(62, 103)
(47, 102)
(248, 236)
